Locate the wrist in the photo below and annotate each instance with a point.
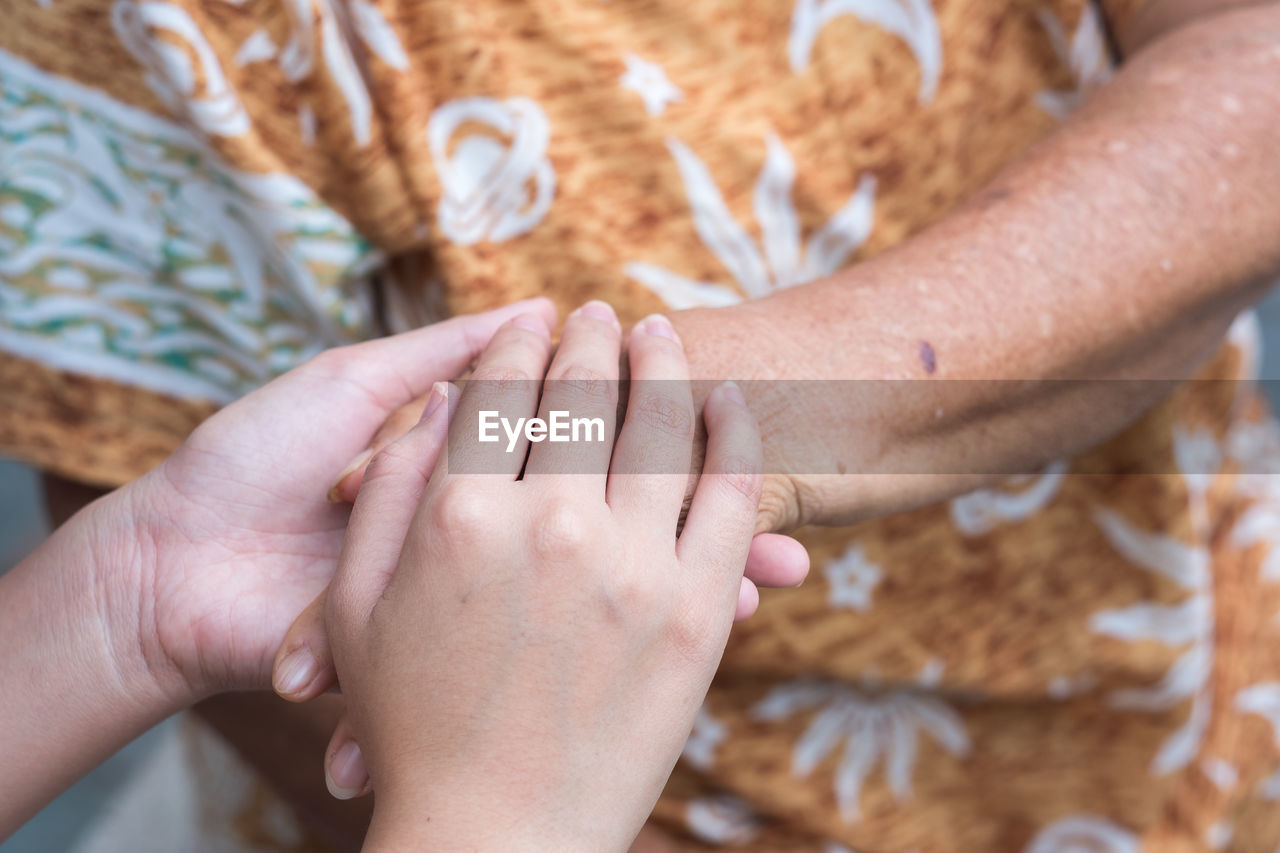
(747, 344)
(427, 816)
(68, 620)
(408, 827)
(125, 561)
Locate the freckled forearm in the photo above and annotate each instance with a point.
(1120, 247)
(1156, 204)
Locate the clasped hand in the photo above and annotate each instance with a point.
(568, 593)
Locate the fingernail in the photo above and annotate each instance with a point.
(659, 326)
(598, 310)
(296, 671)
(335, 494)
(439, 393)
(531, 323)
(733, 392)
(347, 776)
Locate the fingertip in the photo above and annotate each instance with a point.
(298, 675)
(748, 601)
(597, 309)
(654, 326)
(727, 399)
(775, 560)
(731, 392)
(658, 326)
(532, 322)
(439, 394)
(347, 484)
(545, 308)
(345, 774)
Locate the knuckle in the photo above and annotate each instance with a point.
(689, 631)
(339, 610)
(586, 382)
(665, 413)
(562, 532)
(631, 598)
(500, 378)
(461, 515)
(500, 387)
(740, 475)
(388, 463)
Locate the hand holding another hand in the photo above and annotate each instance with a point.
(523, 656)
(304, 664)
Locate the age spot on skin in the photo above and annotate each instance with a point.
(991, 196)
(928, 358)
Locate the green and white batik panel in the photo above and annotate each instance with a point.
(130, 251)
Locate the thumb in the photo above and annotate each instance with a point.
(303, 667)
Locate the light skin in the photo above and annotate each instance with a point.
(589, 631)
(1120, 247)
(182, 584)
(1072, 237)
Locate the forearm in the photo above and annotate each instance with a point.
(75, 687)
(1119, 248)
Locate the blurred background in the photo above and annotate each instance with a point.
(23, 526)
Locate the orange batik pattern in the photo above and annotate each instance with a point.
(195, 195)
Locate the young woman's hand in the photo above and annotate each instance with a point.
(304, 663)
(234, 536)
(523, 658)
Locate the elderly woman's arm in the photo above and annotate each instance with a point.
(1120, 247)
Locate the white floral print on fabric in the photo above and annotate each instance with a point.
(1222, 773)
(782, 263)
(722, 819)
(913, 21)
(495, 185)
(1219, 834)
(708, 733)
(147, 30)
(1245, 334)
(129, 251)
(1264, 700)
(852, 578)
(1256, 447)
(1084, 834)
(873, 725)
(1064, 687)
(377, 35)
(1086, 54)
(649, 81)
(1188, 623)
(1016, 500)
(258, 47)
(297, 56)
